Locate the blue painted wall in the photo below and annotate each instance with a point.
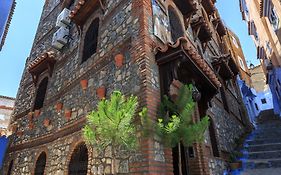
(5, 9)
(3, 146)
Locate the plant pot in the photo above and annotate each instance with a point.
(36, 112)
(46, 122)
(30, 116)
(59, 106)
(67, 114)
(101, 92)
(31, 125)
(235, 165)
(84, 84)
(119, 59)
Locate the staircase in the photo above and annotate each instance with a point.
(262, 149)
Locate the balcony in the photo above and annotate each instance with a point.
(182, 60)
(187, 7)
(209, 6)
(83, 9)
(221, 65)
(201, 25)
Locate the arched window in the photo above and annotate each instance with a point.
(10, 167)
(41, 93)
(175, 25)
(40, 164)
(78, 164)
(91, 40)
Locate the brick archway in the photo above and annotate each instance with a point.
(73, 147)
(39, 153)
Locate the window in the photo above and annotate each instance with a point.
(263, 101)
(40, 164)
(175, 25)
(252, 30)
(256, 106)
(79, 161)
(91, 40)
(41, 93)
(268, 46)
(241, 63)
(235, 42)
(274, 20)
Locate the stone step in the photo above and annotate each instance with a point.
(264, 171)
(262, 163)
(265, 136)
(256, 141)
(264, 155)
(264, 147)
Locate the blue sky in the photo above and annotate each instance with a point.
(230, 13)
(25, 22)
(18, 44)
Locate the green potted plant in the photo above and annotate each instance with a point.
(234, 161)
(111, 125)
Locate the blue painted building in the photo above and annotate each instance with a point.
(255, 102)
(274, 82)
(6, 12)
(3, 146)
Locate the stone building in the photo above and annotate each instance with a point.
(6, 109)
(7, 9)
(263, 19)
(158, 42)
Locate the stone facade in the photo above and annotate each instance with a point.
(6, 109)
(126, 27)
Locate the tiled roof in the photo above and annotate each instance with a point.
(7, 24)
(193, 53)
(9, 98)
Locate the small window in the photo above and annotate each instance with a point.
(91, 40)
(235, 42)
(256, 106)
(263, 101)
(241, 63)
(274, 20)
(41, 93)
(175, 25)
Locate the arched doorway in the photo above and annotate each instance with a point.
(78, 164)
(10, 167)
(40, 164)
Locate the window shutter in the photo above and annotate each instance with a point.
(243, 8)
(265, 8)
(261, 52)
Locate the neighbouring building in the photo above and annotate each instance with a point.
(258, 78)
(6, 109)
(263, 19)
(141, 47)
(6, 12)
(234, 44)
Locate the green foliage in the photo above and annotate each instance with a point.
(111, 124)
(180, 126)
